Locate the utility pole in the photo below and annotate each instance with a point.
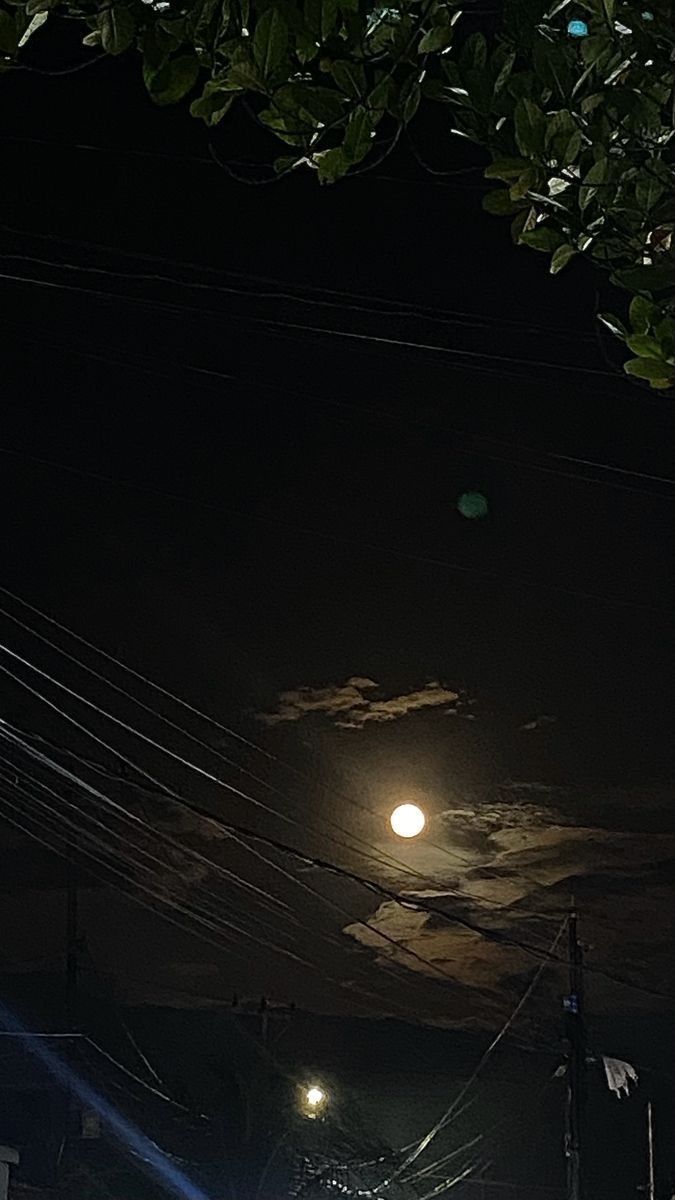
(576, 1064)
(651, 1190)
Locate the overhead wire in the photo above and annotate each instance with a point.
(81, 843)
(370, 853)
(399, 946)
(382, 858)
(232, 164)
(275, 289)
(228, 730)
(244, 832)
(232, 877)
(354, 990)
(498, 1127)
(389, 418)
(281, 328)
(125, 856)
(355, 543)
(419, 1148)
(230, 826)
(416, 903)
(311, 296)
(213, 917)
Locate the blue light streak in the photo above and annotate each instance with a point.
(132, 1139)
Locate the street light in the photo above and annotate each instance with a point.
(313, 1100)
(407, 820)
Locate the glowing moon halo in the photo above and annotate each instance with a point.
(407, 820)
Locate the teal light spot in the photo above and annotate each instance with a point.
(577, 28)
(647, 16)
(472, 505)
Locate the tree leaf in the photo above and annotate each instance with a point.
(642, 313)
(358, 140)
(117, 26)
(436, 39)
(561, 257)
(411, 101)
(504, 72)
(614, 325)
(474, 53)
(506, 169)
(594, 178)
(500, 203)
(648, 190)
(645, 279)
(244, 76)
(331, 164)
(36, 6)
(350, 78)
(542, 238)
(530, 124)
(213, 103)
(563, 138)
(644, 346)
(270, 41)
(653, 369)
(518, 224)
(528, 180)
(321, 17)
(38, 20)
(664, 331)
(174, 80)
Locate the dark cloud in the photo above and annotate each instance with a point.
(351, 705)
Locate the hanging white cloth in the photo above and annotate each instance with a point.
(619, 1076)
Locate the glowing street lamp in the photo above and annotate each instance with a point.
(313, 1100)
(407, 820)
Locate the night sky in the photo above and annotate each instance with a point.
(238, 505)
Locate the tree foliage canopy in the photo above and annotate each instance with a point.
(573, 105)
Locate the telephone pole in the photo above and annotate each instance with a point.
(576, 1064)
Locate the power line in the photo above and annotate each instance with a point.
(369, 852)
(400, 947)
(391, 418)
(218, 822)
(93, 848)
(103, 846)
(281, 328)
(231, 828)
(18, 821)
(231, 164)
(229, 732)
(298, 855)
(447, 1116)
(275, 289)
(338, 539)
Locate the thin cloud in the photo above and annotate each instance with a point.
(538, 723)
(351, 705)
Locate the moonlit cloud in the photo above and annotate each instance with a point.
(539, 722)
(351, 705)
(511, 863)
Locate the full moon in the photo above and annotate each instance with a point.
(407, 820)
